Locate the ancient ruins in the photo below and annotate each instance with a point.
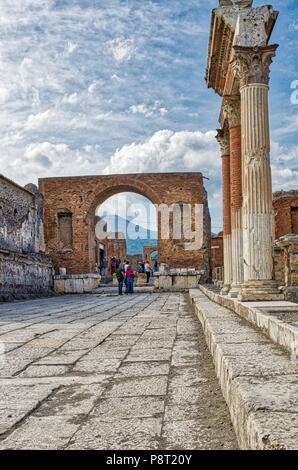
(25, 270)
(69, 218)
(186, 363)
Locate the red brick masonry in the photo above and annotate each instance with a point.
(80, 196)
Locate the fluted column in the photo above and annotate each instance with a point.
(232, 112)
(251, 66)
(224, 142)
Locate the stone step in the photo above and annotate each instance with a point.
(258, 379)
(278, 320)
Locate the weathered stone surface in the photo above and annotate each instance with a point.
(277, 320)
(257, 379)
(24, 270)
(109, 383)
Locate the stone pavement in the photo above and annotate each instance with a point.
(108, 372)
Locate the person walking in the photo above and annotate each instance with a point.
(129, 277)
(155, 267)
(120, 279)
(147, 271)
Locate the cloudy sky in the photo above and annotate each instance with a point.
(115, 86)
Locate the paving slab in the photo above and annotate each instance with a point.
(93, 372)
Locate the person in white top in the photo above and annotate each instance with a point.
(147, 271)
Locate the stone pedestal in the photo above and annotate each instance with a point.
(76, 283)
(178, 280)
(251, 66)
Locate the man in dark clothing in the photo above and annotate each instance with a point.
(120, 279)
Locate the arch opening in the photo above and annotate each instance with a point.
(124, 224)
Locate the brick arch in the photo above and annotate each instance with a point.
(127, 184)
(120, 185)
(82, 194)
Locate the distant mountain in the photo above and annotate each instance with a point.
(137, 237)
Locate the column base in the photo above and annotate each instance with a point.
(235, 290)
(225, 290)
(260, 290)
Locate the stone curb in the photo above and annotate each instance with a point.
(281, 333)
(257, 379)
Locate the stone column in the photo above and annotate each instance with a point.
(232, 111)
(224, 142)
(251, 67)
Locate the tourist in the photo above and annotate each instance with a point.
(120, 278)
(129, 277)
(155, 267)
(126, 264)
(113, 266)
(147, 271)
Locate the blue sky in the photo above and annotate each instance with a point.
(115, 86)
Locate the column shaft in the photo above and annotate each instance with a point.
(251, 66)
(227, 238)
(236, 210)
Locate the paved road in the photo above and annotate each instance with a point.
(108, 372)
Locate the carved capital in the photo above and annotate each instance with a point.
(252, 65)
(231, 108)
(223, 138)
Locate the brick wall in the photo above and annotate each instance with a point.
(235, 168)
(82, 195)
(148, 250)
(226, 194)
(285, 206)
(217, 260)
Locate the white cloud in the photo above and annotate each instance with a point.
(168, 151)
(35, 121)
(73, 98)
(71, 46)
(149, 111)
(122, 49)
(92, 88)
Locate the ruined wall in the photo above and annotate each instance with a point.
(217, 251)
(115, 247)
(147, 251)
(24, 270)
(82, 195)
(285, 204)
(25, 276)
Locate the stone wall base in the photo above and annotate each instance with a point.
(252, 291)
(177, 280)
(24, 276)
(76, 284)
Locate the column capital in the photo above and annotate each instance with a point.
(251, 65)
(223, 138)
(231, 108)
